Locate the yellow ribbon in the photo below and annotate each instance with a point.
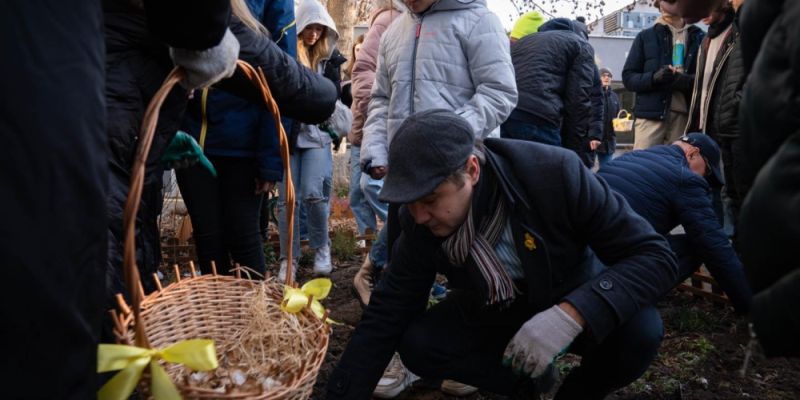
(294, 300)
(197, 354)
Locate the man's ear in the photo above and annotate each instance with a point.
(473, 169)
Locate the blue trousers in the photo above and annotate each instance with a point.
(312, 175)
(512, 129)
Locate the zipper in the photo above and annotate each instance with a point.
(714, 82)
(414, 64)
(697, 75)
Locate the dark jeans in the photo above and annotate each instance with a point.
(512, 129)
(225, 213)
(444, 344)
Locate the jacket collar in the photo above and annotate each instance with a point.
(506, 180)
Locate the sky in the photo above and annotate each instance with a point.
(564, 8)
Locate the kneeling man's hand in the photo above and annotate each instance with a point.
(540, 340)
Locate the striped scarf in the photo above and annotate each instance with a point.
(465, 243)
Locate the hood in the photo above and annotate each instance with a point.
(451, 5)
(565, 24)
(527, 24)
(313, 12)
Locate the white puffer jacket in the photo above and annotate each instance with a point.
(453, 56)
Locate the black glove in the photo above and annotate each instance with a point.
(664, 75)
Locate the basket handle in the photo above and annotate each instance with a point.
(148, 128)
(627, 114)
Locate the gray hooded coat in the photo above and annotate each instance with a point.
(455, 56)
(312, 136)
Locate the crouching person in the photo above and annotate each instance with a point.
(541, 257)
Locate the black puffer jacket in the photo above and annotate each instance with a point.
(136, 64)
(771, 99)
(555, 75)
(768, 236)
(726, 86)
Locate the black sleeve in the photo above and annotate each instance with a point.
(579, 101)
(756, 18)
(401, 295)
(188, 24)
(775, 321)
(634, 76)
(596, 123)
(641, 266)
(696, 213)
(302, 94)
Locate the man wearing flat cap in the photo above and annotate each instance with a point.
(540, 255)
(670, 185)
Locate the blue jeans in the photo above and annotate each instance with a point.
(371, 188)
(512, 129)
(604, 158)
(312, 175)
(363, 213)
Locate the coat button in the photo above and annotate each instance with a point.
(606, 284)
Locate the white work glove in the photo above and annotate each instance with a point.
(206, 67)
(540, 340)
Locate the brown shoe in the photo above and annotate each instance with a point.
(363, 282)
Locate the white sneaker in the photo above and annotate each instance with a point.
(457, 389)
(396, 378)
(282, 271)
(322, 261)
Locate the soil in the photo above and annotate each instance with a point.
(700, 357)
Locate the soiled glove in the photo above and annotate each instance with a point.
(663, 75)
(206, 67)
(183, 151)
(540, 340)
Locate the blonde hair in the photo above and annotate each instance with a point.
(241, 11)
(310, 56)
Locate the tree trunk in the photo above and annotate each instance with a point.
(343, 13)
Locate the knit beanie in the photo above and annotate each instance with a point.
(526, 24)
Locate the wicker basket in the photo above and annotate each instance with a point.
(210, 306)
(622, 123)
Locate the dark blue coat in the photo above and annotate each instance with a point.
(567, 227)
(659, 185)
(651, 50)
(237, 127)
(611, 108)
(555, 74)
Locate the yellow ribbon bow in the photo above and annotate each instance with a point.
(294, 300)
(197, 354)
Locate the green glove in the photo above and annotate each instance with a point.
(184, 151)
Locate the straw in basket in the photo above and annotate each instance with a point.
(269, 353)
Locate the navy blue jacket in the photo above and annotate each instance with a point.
(611, 108)
(659, 185)
(567, 225)
(240, 128)
(555, 74)
(651, 50)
